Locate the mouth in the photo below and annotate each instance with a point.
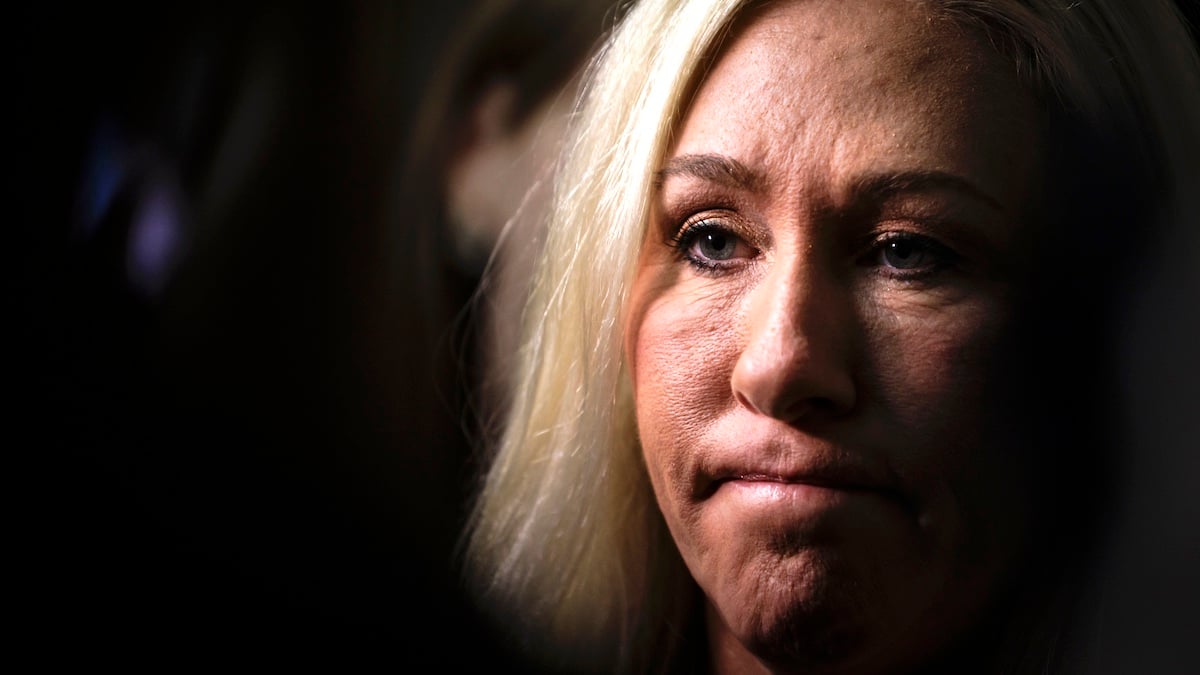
(833, 482)
(828, 477)
(814, 481)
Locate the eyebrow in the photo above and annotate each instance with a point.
(875, 186)
(715, 168)
(879, 186)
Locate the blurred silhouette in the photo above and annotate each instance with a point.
(480, 169)
(232, 351)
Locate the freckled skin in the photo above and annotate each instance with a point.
(804, 351)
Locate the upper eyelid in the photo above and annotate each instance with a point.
(694, 225)
(944, 232)
(877, 238)
(676, 229)
(721, 218)
(708, 221)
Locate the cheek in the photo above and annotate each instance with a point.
(682, 352)
(927, 367)
(933, 378)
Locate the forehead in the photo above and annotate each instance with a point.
(847, 84)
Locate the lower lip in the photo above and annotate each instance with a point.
(800, 499)
(787, 517)
(768, 491)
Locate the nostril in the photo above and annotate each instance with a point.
(806, 407)
(791, 409)
(745, 402)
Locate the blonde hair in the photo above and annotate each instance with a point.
(566, 546)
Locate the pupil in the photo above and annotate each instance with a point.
(902, 254)
(901, 249)
(715, 245)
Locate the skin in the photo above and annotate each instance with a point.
(814, 332)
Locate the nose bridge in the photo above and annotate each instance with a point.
(795, 360)
(785, 315)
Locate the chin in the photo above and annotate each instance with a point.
(802, 614)
(814, 611)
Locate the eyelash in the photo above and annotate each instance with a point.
(688, 236)
(940, 257)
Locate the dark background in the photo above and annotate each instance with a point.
(248, 449)
(234, 423)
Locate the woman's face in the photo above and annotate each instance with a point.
(814, 328)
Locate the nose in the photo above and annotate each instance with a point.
(796, 361)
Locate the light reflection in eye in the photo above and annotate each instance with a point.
(909, 255)
(710, 245)
(904, 253)
(716, 245)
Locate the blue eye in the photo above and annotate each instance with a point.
(910, 255)
(710, 245)
(715, 245)
(904, 254)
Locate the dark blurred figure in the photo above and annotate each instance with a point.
(480, 169)
(477, 177)
(232, 367)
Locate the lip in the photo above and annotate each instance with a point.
(765, 492)
(787, 499)
(833, 476)
(833, 479)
